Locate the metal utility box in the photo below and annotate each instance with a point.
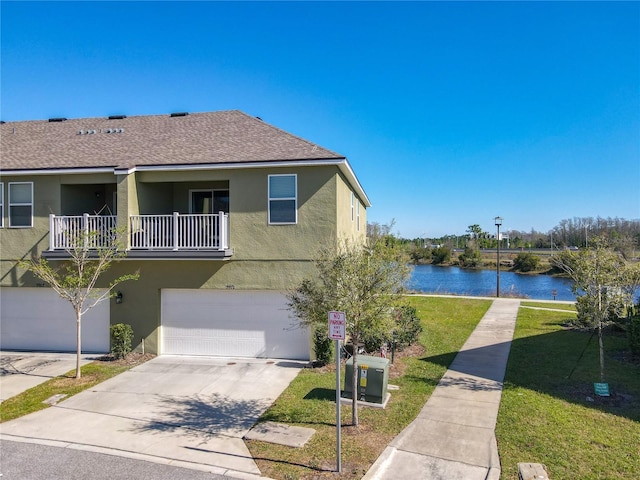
(373, 378)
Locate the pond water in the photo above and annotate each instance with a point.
(458, 281)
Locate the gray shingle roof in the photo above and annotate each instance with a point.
(198, 138)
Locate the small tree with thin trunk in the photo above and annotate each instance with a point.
(603, 282)
(364, 281)
(75, 279)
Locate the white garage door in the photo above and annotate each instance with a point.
(38, 319)
(230, 323)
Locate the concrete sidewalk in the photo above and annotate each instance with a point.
(453, 436)
(20, 371)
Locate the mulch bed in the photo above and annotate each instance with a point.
(132, 359)
(397, 368)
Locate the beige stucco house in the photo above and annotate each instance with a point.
(223, 213)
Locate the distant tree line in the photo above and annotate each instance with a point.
(620, 233)
(574, 232)
(577, 231)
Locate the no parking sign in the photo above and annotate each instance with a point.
(337, 325)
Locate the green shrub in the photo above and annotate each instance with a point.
(373, 342)
(407, 329)
(634, 334)
(470, 258)
(121, 337)
(586, 315)
(420, 255)
(322, 345)
(526, 262)
(441, 255)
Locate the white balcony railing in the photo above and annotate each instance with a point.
(180, 231)
(147, 232)
(81, 231)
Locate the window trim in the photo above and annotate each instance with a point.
(1, 204)
(358, 216)
(11, 204)
(287, 199)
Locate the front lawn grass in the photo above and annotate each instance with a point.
(93, 373)
(549, 413)
(309, 401)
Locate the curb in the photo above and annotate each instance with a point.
(137, 456)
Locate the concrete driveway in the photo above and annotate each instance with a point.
(183, 411)
(20, 371)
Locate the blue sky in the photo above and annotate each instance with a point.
(451, 113)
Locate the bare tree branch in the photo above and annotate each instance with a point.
(75, 279)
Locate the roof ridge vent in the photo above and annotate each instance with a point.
(179, 114)
(117, 117)
(57, 119)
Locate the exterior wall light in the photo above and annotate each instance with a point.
(119, 297)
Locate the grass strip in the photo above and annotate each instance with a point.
(570, 307)
(93, 373)
(309, 401)
(549, 413)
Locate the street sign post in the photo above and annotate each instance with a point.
(337, 331)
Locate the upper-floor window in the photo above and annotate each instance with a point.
(283, 199)
(20, 204)
(1, 205)
(358, 216)
(352, 205)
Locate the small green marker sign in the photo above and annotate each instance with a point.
(601, 389)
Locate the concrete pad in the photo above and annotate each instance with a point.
(349, 401)
(532, 471)
(272, 432)
(194, 410)
(20, 371)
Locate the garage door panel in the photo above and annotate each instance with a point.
(214, 342)
(38, 319)
(230, 323)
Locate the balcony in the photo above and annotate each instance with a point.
(175, 236)
(81, 231)
(180, 232)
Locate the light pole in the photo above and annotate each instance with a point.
(586, 240)
(498, 222)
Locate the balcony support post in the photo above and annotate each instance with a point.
(176, 216)
(222, 243)
(85, 229)
(52, 233)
